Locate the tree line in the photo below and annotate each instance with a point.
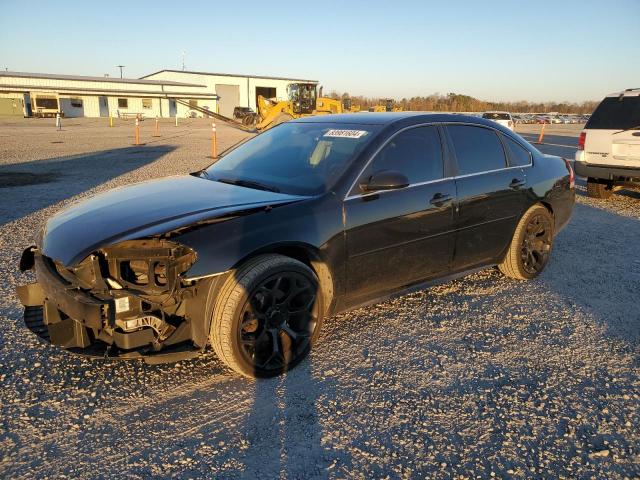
(454, 102)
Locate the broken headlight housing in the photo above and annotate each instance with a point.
(151, 266)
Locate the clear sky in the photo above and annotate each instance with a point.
(493, 50)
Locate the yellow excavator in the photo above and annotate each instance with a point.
(302, 101)
(386, 105)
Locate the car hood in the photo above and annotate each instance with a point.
(144, 209)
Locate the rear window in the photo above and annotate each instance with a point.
(616, 114)
(496, 116)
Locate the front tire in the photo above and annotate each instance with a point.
(266, 316)
(596, 189)
(531, 245)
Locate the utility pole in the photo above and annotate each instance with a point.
(120, 67)
(183, 55)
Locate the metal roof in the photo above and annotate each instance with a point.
(231, 75)
(55, 76)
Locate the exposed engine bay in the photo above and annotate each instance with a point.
(126, 300)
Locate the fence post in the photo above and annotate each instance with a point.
(176, 119)
(137, 127)
(58, 121)
(110, 120)
(157, 134)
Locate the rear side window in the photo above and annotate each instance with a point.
(416, 153)
(518, 155)
(477, 149)
(616, 114)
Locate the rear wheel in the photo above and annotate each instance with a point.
(531, 245)
(267, 315)
(596, 189)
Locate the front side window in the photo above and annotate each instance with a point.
(477, 149)
(416, 153)
(294, 158)
(123, 103)
(518, 155)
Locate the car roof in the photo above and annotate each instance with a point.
(629, 92)
(388, 118)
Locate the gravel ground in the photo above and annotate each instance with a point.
(476, 377)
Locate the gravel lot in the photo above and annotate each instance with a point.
(476, 377)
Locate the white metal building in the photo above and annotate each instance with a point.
(80, 96)
(232, 90)
(167, 93)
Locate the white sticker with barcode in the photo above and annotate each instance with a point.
(345, 133)
(122, 304)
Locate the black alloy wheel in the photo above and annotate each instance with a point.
(278, 321)
(536, 244)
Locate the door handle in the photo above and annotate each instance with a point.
(440, 199)
(517, 183)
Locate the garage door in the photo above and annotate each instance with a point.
(229, 99)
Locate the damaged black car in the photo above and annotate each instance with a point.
(313, 217)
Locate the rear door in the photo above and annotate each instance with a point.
(490, 195)
(613, 132)
(397, 237)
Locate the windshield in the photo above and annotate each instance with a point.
(616, 114)
(294, 158)
(496, 116)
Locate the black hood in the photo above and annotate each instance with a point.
(144, 209)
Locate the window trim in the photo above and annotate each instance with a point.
(445, 156)
(125, 99)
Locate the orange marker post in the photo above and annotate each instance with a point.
(137, 131)
(541, 137)
(157, 134)
(214, 141)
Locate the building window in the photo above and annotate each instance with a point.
(193, 103)
(147, 103)
(76, 102)
(123, 103)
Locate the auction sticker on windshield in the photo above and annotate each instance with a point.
(345, 133)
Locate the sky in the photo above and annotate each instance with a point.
(492, 50)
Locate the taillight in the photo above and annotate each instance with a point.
(581, 140)
(572, 175)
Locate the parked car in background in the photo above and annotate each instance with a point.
(310, 218)
(542, 119)
(503, 118)
(609, 146)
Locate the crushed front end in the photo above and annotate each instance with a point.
(130, 300)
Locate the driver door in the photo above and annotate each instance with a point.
(398, 237)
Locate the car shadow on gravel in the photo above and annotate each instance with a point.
(595, 265)
(31, 186)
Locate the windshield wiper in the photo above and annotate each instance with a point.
(200, 173)
(249, 184)
(636, 127)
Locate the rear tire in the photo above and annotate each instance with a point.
(531, 245)
(267, 316)
(596, 189)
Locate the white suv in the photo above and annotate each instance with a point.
(503, 118)
(609, 146)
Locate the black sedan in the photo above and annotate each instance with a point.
(313, 217)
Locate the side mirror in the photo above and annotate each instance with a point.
(384, 180)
